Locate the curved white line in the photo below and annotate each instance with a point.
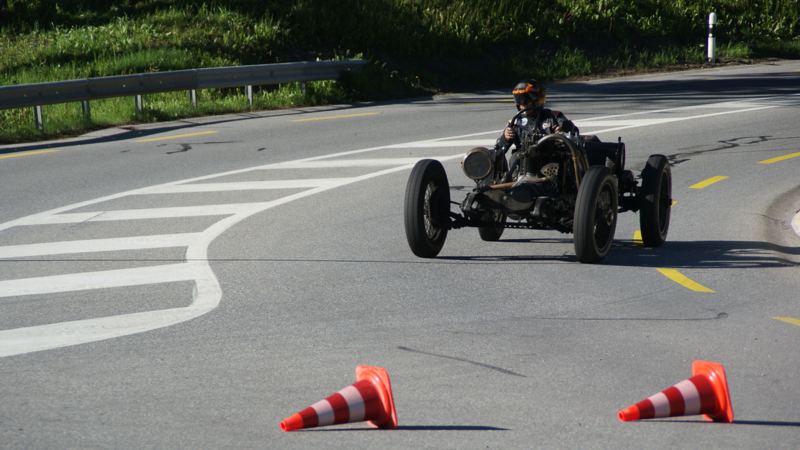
(207, 292)
(796, 223)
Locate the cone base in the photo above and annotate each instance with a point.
(716, 375)
(380, 379)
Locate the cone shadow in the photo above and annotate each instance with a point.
(411, 428)
(768, 423)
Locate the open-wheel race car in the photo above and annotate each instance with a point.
(569, 183)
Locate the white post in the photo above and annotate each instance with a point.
(712, 41)
(137, 100)
(38, 118)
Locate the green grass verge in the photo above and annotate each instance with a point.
(416, 46)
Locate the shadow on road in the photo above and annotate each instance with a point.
(411, 428)
(769, 423)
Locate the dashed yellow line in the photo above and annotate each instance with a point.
(791, 320)
(335, 117)
(27, 153)
(779, 158)
(707, 182)
(681, 279)
(175, 137)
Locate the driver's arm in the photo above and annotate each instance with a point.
(507, 139)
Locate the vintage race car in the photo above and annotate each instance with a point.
(569, 183)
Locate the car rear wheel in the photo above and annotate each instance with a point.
(596, 210)
(427, 208)
(656, 201)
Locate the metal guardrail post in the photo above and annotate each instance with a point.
(249, 90)
(87, 112)
(137, 99)
(303, 88)
(38, 118)
(193, 97)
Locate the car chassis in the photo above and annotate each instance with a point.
(569, 183)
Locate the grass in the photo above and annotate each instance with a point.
(416, 46)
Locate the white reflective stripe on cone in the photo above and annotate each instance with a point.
(691, 397)
(324, 412)
(355, 403)
(660, 404)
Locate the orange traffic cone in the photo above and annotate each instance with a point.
(369, 398)
(706, 392)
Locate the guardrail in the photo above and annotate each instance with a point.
(83, 90)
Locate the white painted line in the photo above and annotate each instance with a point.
(701, 116)
(434, 144)
(97, 280)
(143, 214)
(251, 185)
(624, 123)
(796, 223)
(99, 245)
(345, 163)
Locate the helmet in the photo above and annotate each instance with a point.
(527, 90)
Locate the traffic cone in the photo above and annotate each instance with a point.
(706, 393)
(369, 398)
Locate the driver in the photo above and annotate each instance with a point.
(529, 95)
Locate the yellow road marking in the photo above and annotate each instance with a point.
(674, 202)
(27, 153)
(671, 82)
(637, 239)
(708, 182)
(791, 320)
(779, 158)
(175, 137)
(681, 279)
(335, 117)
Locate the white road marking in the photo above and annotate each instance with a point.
(346, 163)
(97, 280)
(207, 292)
(464, 144)
(252, 185)
(142, 214)
(796, 223)
(99, 245)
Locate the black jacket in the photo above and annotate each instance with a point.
(546, 120)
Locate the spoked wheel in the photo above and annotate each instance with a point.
(427, 208)
(492, 234)
(656, 201)
(596, 211)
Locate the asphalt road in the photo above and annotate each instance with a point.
(191, 284)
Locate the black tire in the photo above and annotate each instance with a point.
(492, 234)
(655, 201)
(596, 210)
(427, 208)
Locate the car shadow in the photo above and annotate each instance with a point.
(703, 254)
(674, 254)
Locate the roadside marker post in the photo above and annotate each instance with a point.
(712, 41)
